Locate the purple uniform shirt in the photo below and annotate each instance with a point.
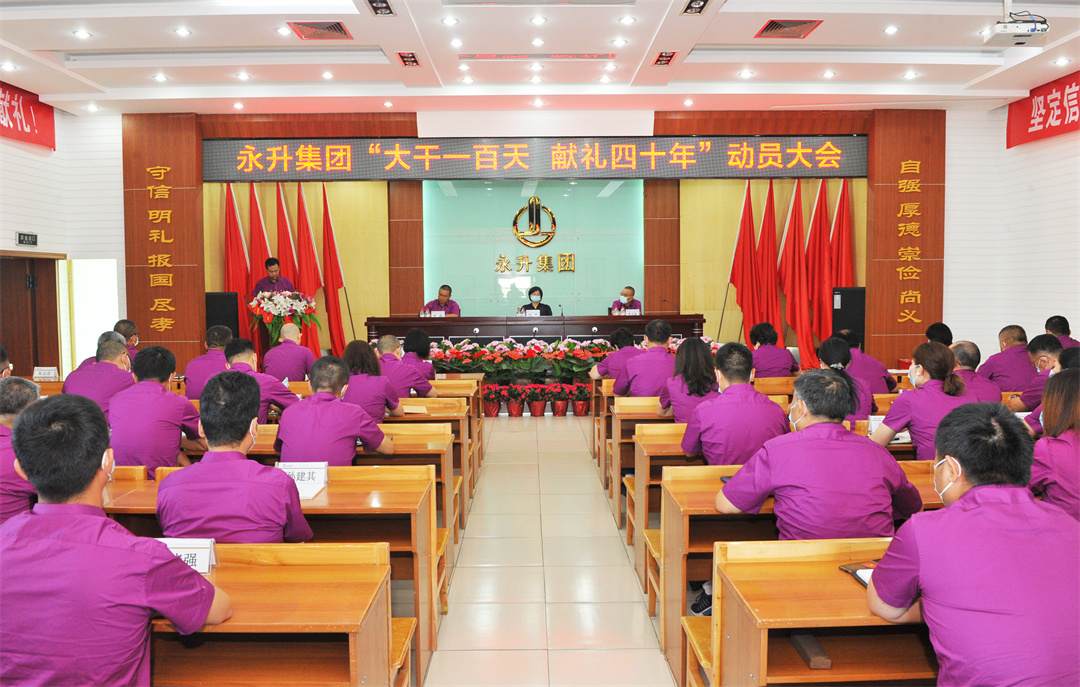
(634, 304)
(980, 387)
(614, 363)
(1034, 420)
(997, 574)
(1011, 369)
(373, 394)
(1068, 342)
(829, 483)
(870, 370)
(425, 368)
(270, 391)
(231, 499)
(78, 592)
(770, 361)
(288, 360)
(404, 377)
(451, 307)
(866, 401)
(676, 396)
(99, 382)
(132, 352)
(264, 284)
(733, 427)
(199, 370)
(16, 494)
(1031, 396)
(1056, 472)
(146, 421)
(646, 374)
(920, 411)
(322, 427)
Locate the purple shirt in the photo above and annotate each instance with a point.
(646, 374)
(1056, 471)
(829, 483)
(78, 592)
(1068, 342)
(16, 494)
(99, 382)
(425, 367)
(731, 428)
(264, 284)
(676, 396)
(634, 304)
(1031, 396)
(322, 427)
(132, 352)
(288, 360)
(451, 307)
(770, 361)
(920, 411)
(870, 370)
(373, 394)
(614, 363)
(404, 377)
(866, 401)
(1033, 420)
(997, 574)
(199, 370)
(146, 421)
(231, 499)
(1011, 369)
(270, 391)
(980, 387)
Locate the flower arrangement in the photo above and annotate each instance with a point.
(504, 360)
(512, 393)
(560, 392)
(714, 346)
(492, 393)
(275, 308)
(533, 393)
(582, 392)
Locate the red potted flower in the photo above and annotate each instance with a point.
(581, 399)
(493, 399)
(536, 395)
(511, 394)
(560, 398)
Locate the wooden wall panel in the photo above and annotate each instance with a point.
(764, 123)
(405, 211)
(662, 268)
(343, 125)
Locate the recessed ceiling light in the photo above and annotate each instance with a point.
(463, 67)
(535, 79)
(688, 102)
(627, 20)
(828, 75)
(284, 31)
(243, 76)
(449, 21)
(82, 33)
(388, 104)
(610, 66)
(535, 67)
(619, 42)
(160, 78)
(238, 106)
(7, 67)
(538, 42)
(183, 32)
(745, 74)
(1062, 61)
(910, 75)
(467, 79)
(455, 43)
(538, 102)
(538, 20)
(327, 75)
(92, 107)
(891, 30)
(605, 79)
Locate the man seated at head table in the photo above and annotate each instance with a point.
(994, 573)
(1056, 471)
(273, 282)
(111, 335)
(735, 425)
(130, 332)
(866, 367)
(1059, 327)
(404, 377)
(1043, 351)
(967, 361)
(1068, 360)
(225, 496)
(939, 332)
(322, 427)
(769, 360)
(77, 589)
(443, 303)
(614, 363)
(1011, 369)
(99, 382)
(16, 494)
(646, 374)
(205, 366)
(288, 360)
(240, 356)
(626, 301)
(148, 421)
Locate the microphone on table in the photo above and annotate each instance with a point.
(667, 302)
(561, 311)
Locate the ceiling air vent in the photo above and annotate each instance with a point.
(788, 28)
(320, 30)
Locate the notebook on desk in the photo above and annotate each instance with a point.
(861, 571)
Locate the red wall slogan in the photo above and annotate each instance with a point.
(25, 118)
(1051, 110)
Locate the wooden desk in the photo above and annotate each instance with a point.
(602, 403)
(280, 632)
(484, 329)
(459, 421)
(623, 423)
(469, 389)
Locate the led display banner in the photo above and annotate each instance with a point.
(646, 157)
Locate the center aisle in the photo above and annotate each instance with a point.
(544, 592)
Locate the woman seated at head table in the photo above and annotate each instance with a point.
(536, 295)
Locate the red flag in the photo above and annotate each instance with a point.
(308, 280)
(285, 248)
(819, 264)
(793, 281)
(332, 280)
(260, 253)
(768, 281)
(237, 267)
(743, 275)
(842, 261)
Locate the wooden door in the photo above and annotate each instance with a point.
(29, 323)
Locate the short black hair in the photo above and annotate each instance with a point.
(764, 333)
(536, 289)
(218, 336)
(939, 332)
(126, 329)
(735, 362)
(155, 363)
(621, 338)
(417, 341)
(849, 335)
(3, 356)
(60, 442)
(989, 442)
(1069, 358)
(1057, 325)
(1013, 334)
(227, 405)
(967, 354)
(237, 348)
(827, 393)
(834, 352)
(110, 350)
(1045, 344)
(329, 373)
(270, 262)
(446, 288)
(658, 331)
(16, 394)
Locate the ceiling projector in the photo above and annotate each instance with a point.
(1006, 34)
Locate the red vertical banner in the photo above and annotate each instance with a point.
(23, 117)
(286, 249)
(843, 261)
(743, 273)
(237, 267)
(308, 280)
(332, 280)
(768, 280)
(794, 281)
(819, 265)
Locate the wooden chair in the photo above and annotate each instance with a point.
(861, 427)
(775, 386)
(129, 472)
(50, 388)
(402, 631)
(884, 402)
(653, 539)
(636, 404)
(606, 390)
(406, 430)
(442, 536)
(436, 406)
(177, 387)
(781, 400)
(655, 431)
(301, 388)
(455, 388)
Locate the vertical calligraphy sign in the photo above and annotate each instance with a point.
(166, 293)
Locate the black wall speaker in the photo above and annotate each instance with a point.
(849, 310)
(222, 308)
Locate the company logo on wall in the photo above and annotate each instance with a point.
(535, 236)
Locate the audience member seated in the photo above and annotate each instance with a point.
(289, 360)
(110, 335)
(614, 363)
(967, 361)
(769, 360)
(1043, 350)
(866, 367)
(937, 391)
(1056, 471)
(734, 426)
(417, 347)
(202, 368)
(834, 354)
(694, 382)
(225, 496)
(1068, 360)
(99, 382)
(939, 332)
(404, 378)
(148, 421)
(1059, 327)
(322, 427)
(77, 589)
(130, 332)
(646, 374)
(993, 573)
(16, 494)
(1011, 369)
(240, 356)
(367, 386)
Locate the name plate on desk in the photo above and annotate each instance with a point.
(532, 313)
(632, 312)
(436, 313)
(198, 553)
(310, 478)
(46, 374)
(875, 420)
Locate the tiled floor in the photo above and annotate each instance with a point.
(544, 592)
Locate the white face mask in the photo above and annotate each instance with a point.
(795, 423)
(105, 467)
(941, 494)
(535, 298)
(253, 432)
(624, 300)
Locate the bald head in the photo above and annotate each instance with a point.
(291, 332)
(111, 352)
(388, 344)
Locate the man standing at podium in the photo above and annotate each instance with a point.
(273, 281)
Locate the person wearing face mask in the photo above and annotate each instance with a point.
(240, 356)
(937, 391)
(105, 378)
(993, 573)
(404, 377)
(536, 294)
(105, 337)
(967, 360)
(1011, 369)
(1043, 350)
(322, 427)
(225, 496)
(1069, 359)
(1055, 473)
(626, 301)
(130, 332)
